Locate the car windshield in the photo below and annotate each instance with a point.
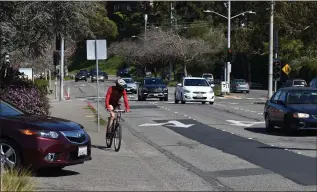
(100, 73)
(207, 76)
(153, 81)
(128, 80)
(299, 83)
(83, 71)
(7, 110)
(302, 97)
(196, 82)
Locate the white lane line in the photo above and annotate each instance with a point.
(175, 112)
(253, 111)
(250, 138)
(185, 115)
(286, 149)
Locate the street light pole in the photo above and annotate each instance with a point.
(229, 42)
(270, 85)
(229, 17)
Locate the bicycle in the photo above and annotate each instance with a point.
(116, 131)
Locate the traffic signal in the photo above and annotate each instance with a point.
(277, 69)
(229, 55)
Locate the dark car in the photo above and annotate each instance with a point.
(101, 76)
(313, 83)
(105, 75)
(40, 141)
(293, 108)
(152, 88)
(80, 76)
(84, 71)
(295, 83)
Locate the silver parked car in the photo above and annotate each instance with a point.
(295, 83)
(239, 85)
(131, 85)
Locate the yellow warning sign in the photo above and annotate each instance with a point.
(287, 69)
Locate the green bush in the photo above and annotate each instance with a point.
(217, 89)
(172, 83)
(42, 85)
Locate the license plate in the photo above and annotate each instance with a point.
(82, 151)
(199, 96)
(155, 94)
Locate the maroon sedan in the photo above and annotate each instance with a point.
(40, 141)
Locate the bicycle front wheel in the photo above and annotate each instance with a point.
(117, 137)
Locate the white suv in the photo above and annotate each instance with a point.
(194, 89)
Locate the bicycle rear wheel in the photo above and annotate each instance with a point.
(117, 137)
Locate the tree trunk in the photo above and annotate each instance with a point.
(185, 70)
(249, 70)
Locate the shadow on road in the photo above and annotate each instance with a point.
(303, 149)
(104, 148)
(280, 132)
(51, 172)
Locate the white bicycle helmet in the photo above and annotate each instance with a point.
(120, 83)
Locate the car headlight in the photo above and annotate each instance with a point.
(301, 115)
(165, 89)
(211, 91)
(186, 91)
(102, 77)
(44, 134)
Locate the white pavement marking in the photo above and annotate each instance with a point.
(243, 123)
(175, 124)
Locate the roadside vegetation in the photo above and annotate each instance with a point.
(94, 111)
(14, 180)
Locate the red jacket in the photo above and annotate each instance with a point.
(113, 97)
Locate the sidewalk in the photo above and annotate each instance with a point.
(78, 111)
(136, 167)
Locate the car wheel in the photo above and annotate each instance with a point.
(182, 101)
(211, 103)
(268, 125)
(175, 100)
(76, 80)
(11, 154)
(203, 102)
(85, 79)
(139, 98)
(161, 99)
(143, 99)
(247, 91)
(166, 99)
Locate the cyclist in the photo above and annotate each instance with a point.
(112, 99)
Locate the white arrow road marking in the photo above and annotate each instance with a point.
(175, 124)
(244, 123)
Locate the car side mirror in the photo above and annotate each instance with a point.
(179, 84)
(212, 85)
(280, 102)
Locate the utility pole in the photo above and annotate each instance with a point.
(228, 68)
(171, 18)
(270, 85)
(61, 91)
(276, 55)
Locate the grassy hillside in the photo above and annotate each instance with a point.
(109, 66)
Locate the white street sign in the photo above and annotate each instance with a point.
(175, 124)
(244, 123)
(101, 49)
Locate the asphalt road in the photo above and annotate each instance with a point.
(224, 144)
